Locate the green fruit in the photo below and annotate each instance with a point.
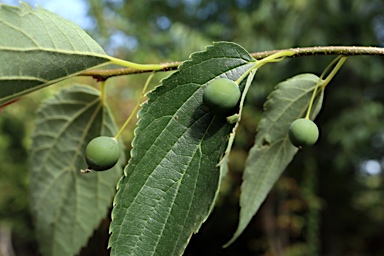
(221, 96)
(303, 133)
(102, 153)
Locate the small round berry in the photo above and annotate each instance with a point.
(102, 153)
(303, 133)
(221, 96)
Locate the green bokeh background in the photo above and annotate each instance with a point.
(328, 202)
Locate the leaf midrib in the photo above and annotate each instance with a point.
(135, 246)
(71, 165)
(55, 51)
(53, 143)
(267, 130)
(178, 182)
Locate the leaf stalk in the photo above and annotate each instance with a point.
(136, 106)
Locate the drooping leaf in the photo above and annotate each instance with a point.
(272, 151)
(68, 205)
(39, 48)
(172, 177)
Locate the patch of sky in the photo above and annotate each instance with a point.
(163, 22)
(208, 10)
(370, 167)
(243, 3)
(73, 10)
(119, 39)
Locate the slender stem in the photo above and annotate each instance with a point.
(326, 50)
(334, 71)
(246, 73)
(132, 65)
(102, 92)
(276, 57)
(322, 83)
(136, 107)
(297, 52)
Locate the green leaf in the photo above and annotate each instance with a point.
(272, 151)
(39, 48)
(172, 178)
(68, 205)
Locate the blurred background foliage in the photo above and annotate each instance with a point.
(330, 199)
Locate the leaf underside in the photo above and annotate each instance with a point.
(172, 177)
(68, 205)
(272, 151)
(39, 48)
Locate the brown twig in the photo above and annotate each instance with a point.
(302, 51)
